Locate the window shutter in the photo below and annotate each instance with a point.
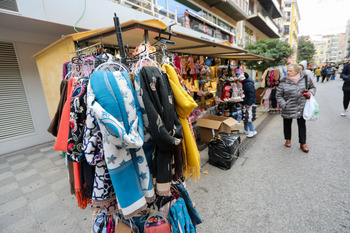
(10, 5)
(15, 116)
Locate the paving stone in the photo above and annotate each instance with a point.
(35, 156)
(62, 183)
(26, 224)
(53, 175)
(33, 186)
(4, 164)
(26, 174)
(29, 179)
(13, 216)
(13, 205)
(45, 148)
(6, 175)
(15, 157)
(36, 194)
(60, 162)
(20, 165)
(24, 169)
(5, 169)
(6, 182)
(53, 155)
(9, 196)
(47, 213)
(8, 188)
(43, 202)
(44, 164)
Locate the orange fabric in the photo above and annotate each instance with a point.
(63, 130)
(82, 202)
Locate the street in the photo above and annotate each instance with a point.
(281, 189)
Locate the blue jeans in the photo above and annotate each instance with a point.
(333, 77)
(318, 78)
(249, 125)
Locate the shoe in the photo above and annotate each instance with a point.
(252, 134)
(343, 113)
(288, 143)
(304, 148)
(244, 132)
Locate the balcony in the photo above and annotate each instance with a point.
(230, 8)
(272, 7)
(262, 21)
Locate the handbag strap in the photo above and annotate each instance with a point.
(306, 88)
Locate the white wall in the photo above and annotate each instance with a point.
(36, 99)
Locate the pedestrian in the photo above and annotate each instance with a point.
(333, 72)
(318, 73)
(329, 72)
(323, 73)
(345, 75)
(291, 95)
(248, 102)
(303, 65)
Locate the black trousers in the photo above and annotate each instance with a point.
(287, 127)
(346, 99)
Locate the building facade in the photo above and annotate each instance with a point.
(291, 25)
(329, 48)
(347, 41)
(26, 27)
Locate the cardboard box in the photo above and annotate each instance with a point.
(212, 125)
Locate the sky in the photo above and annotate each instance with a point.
(323, 16)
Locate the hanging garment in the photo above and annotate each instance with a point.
(54, 125)
(273, 98)
(80, 191)
(63, 131)
(164, 124)
(179, 218)
(192, 212)
(266, 98)
(184, 105)
(77, 120)
(113, 102)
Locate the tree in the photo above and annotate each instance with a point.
(273, 48)
(306, 50)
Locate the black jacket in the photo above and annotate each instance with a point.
(249, 92)
(345, 75)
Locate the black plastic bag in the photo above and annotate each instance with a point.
(224, 150)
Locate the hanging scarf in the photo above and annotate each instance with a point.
(179, 218)
(184, 105)
(63, 131)
(103, 195)
(77, 121)
(294, 79)
(114, 104)
(164, 126)
(79, 188)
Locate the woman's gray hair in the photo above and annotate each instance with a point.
(296, 67)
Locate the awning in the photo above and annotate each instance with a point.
(229, 7)
(268, 28)
(245, 57)
(133, 32)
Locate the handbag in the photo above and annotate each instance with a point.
(311, 110)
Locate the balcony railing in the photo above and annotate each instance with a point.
(261, 10)
(150, 7)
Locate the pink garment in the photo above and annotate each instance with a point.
(294, 79)
(266, 98)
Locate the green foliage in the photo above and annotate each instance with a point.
(306, 50)
(273, 48)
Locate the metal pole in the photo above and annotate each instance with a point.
(118, 32)
(146, 37)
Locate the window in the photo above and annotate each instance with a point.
(286, 29)
(10, 5)
(248, 37)
(288, 5)
(288, 16)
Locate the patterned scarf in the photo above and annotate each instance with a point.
(114, 104)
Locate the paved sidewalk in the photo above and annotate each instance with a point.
(35, 197)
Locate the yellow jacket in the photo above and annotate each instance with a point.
(184, 105)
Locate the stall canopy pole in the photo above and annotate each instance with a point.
(118, 32)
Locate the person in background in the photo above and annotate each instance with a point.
(345, 75)
(334, 70)
(309, 73)
(248, 102)
(329, 72)
(318, 73)
(291, 96)
(323, 73)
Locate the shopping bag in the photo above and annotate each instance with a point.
(311, 110)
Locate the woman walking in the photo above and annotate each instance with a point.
(291, 95)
